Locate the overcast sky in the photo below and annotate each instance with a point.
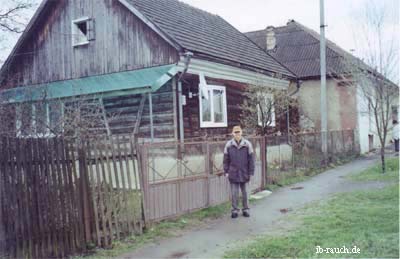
(341, 17)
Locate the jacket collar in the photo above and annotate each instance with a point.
(242, 143)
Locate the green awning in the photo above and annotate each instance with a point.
(127, 82)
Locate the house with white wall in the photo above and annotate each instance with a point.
(298, 48)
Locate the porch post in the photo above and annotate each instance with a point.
(181, 133)
(174, 101)
(263, 153)
(151, 116)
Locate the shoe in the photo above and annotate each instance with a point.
(246, 214)
(234, 215)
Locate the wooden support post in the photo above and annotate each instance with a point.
(263, 154)
(151, 117)
(175, 105)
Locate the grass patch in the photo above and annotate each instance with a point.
(163, 229)
(285, 178)
(366, 219)
(374, 173)
(291, 177)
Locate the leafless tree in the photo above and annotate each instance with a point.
(14, 16)
(11, 15)
(76, 118)
(263, 105)
(371, 74)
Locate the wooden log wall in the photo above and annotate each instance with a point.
(191, 112)
(122, 114)
(235, 97)
(121, 42)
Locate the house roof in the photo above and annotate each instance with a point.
(190, 28)
(205, 34)
(298, 48)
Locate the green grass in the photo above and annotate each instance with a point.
(299, 175)
(366, 219)
(374, 173)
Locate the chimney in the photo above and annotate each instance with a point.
(271, 39)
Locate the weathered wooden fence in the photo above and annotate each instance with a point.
(180, 178)
(57, 197)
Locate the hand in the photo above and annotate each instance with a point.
(226, 175)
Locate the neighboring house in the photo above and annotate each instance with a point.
(133, 58)
(298, 48)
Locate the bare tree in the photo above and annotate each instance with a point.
(371, 75)
(76, 118)
(12, 17)
(263, 105)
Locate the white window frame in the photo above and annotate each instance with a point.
(212, 123)
(273, 118)
(75, 30)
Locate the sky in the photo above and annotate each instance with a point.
(342, 18)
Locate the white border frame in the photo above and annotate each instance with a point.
(74, 31)
(212, 124)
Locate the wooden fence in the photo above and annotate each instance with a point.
(57, 197)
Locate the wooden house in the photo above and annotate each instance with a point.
(144, 60)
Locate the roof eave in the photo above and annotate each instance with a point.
(243, 66)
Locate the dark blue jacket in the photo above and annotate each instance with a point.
(239, 160)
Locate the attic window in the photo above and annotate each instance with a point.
(82, 31)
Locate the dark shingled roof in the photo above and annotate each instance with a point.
(205, 33)
(298, 48)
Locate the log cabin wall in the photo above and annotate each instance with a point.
(122, 114)
(235, 97)
(191, 112)
(121, 42)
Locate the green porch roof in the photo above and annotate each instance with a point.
(127, 82)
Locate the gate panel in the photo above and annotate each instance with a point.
(182, 177)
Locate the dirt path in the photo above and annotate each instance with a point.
(212, 241)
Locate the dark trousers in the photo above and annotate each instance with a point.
(396, 145)
(235, 196)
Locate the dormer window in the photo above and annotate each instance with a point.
(82, 31)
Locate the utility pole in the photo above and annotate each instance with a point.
(324, 119)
